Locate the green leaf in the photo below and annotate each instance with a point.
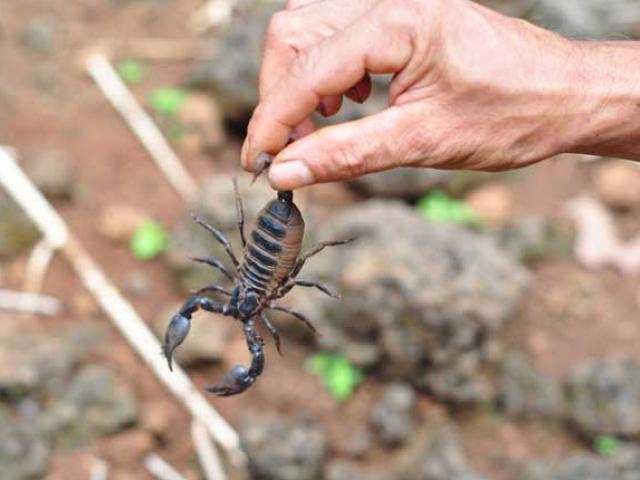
(168, 100)
(339, 376)
(149, 240)
(606, 445)
(439, 207)
(131, 71)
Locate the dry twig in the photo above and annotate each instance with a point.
(159, 468)
(143, 127)
(24, 302)
(207, 454)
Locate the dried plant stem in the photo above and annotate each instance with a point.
(37, 266)
(207, 454)
(160, 469)
(121, 313)
(105, 76)
(24, 302)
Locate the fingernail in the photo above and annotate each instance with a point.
(359, 93)
(322, 109)
(292, 174)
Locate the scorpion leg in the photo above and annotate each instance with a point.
(239, 212)
(212, 262)
(272, 330)
(297, 315)
(220, 237)
(214, 288)
(314, 250)
(238, 379)
(181, 322)
(312, 283)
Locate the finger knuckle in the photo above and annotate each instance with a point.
(279, 25)
(347, 162)
(303, 67)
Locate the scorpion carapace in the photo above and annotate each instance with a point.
(270, 265)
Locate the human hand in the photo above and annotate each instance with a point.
(472, 89)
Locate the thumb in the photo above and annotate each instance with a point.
(378, 142)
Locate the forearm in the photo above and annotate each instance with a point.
(607, 76)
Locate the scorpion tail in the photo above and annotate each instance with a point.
(238, 379)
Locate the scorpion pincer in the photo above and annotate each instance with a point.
(271, 262)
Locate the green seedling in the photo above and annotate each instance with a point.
(339, 376)
(168, 100)
(439, 207)
(131, 71)
(149, 240)
(606, 445)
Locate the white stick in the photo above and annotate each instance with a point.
(121, 313)
(37, 266)
(32, 201)
(24, 302)
(207, 454)
(99, 469)
(160, 469)
(143, 127)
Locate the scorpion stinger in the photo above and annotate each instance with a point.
(271, 260)
(263, 162)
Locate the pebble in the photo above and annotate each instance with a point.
(119, 222)
(493, 203)
(617, 184)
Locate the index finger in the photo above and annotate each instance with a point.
(329, 68)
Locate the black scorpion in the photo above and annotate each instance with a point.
(270, 265)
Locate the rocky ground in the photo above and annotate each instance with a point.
(457, 352)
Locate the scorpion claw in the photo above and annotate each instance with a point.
(176, 333)
(263, 161)
(235, 381)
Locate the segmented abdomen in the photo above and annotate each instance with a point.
(273, 245)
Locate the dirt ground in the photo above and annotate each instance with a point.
(47, 101)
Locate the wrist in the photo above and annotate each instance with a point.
(606, 86)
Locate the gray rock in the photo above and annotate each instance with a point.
(526, 393)
(207, 339)
(393, 416)
(627, 462)
(283, 448)
(605, 398)
(341, 470)
(52, 172)
(431, 297)
(39, 35)
(24, 449)
(94, 405)
(532, 238)
(588, 19)
(441, 458)
(216, 205)
(138, 283)
(356, 443)
(17, 233)
(231, 68)
(623, 465)
(34, 363)
(575, 467)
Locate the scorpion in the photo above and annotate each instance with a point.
(271, 262)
